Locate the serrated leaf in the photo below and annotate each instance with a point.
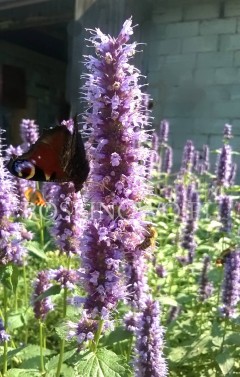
(66, 371)
(23, 373)
(119, 334)
(15, 321)
(176, 354)
(225, 362)
(35, 248)
(103, 363)
(233, 339)
(12, 353)
(53, 362)
(9, 276)
(52, 291)
(167, 300)
(32, 350)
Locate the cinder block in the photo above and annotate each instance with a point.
(215, 59)
(234, 91)
(218, 93)
(232, 8)
(156, 64)
(209, 125)
(185, 60)
(182, 29)
(204, 76)
(200, 44)
(229, 109)
(201, 11)
(229, 42)
(227, 75)
(236, 59)
(170, 46)
(167, 14)
(219, 26)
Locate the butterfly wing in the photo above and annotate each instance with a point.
(57, 156)
(74, 161)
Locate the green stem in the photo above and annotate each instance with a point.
(97, 335)
(25, 301)
(5, 316)
(41, 347)
(62, 342)
(41, 225)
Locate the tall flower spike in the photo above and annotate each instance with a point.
(224, 166)
(231, 284)
(205, 287)
(29, 133)
(11, 233)
(227, 132)
(164, 131)
(188, 156)
(21, 185)
(225, 207)
(70, 218)
(168, 160)
(149, 358)
(41, 307)
(115, 122)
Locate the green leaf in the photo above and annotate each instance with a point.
(52, 291)
(15, 321)
(9, 276)
(35, 249)
(66, 371)
(225, 362)
(118, 335)
(12, 353)
(167, 300)
(233, 339)
(103, 363)
(23, 373)
(53, 362)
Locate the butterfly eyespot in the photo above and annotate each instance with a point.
(24, 169)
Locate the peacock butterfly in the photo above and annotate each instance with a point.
(57, 156)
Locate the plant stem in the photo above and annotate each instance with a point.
(97, 335)
(5, 316)
(62, 342)
(41, 347)
(25, 300)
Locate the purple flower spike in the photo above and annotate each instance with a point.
(227, 132)
(29, 133)
(11, 233)
(188, 237)
(224, 166)
(115, 123)
(21, 185)
(4, 337)
(233, 174)
(181, 201)
(225, 207)
(188, 156)
(231, 284)
(155, 142)
(203, 163)
(205, 287)
(66, 278)
(164, 131)
(70, 217)
(149, 358)
(168, 160)
(41, 307)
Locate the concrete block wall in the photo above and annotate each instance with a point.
(193, 68)
(45, 84)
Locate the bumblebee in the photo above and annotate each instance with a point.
(35, 197)
(221, 259)
(150, 237)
